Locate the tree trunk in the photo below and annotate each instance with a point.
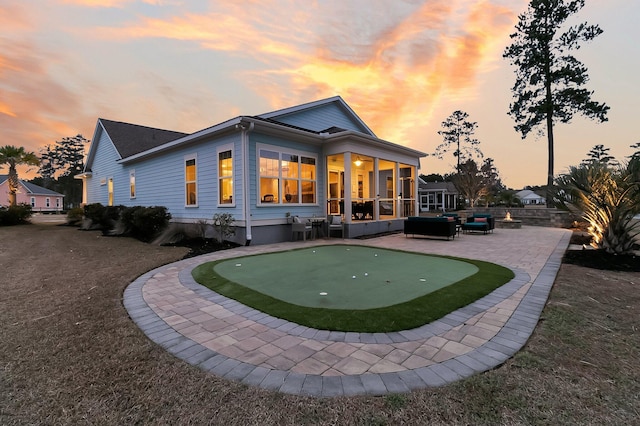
(550, 174)
(12, 181)
(549, 108)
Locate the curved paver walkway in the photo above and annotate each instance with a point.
(239, 343)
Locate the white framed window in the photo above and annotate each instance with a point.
(286, 176)
(57, 203)
(132, 184)
(110, 191)
(33, 201)
(225, 175)
(191, 181)
(47, 202)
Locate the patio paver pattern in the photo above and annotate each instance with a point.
(237, 342)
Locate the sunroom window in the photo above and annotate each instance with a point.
(287, 178)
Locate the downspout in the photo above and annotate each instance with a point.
(245, 178)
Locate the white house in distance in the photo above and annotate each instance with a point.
(530, 198)
(40, 199)
(314, 159)
(437, 196)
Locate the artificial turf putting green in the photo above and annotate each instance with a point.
(369, 309)
(344, 277)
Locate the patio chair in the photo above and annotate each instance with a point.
(300, 227)
(335, 224)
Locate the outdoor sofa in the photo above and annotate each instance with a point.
(479, 222)
(430, 226)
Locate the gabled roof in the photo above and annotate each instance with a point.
(131, 139)
(32, 188)
(336, 100)
(437, 186)
(133, 142)
(527, 194)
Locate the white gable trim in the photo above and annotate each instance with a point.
(94, 145)
(336, 99)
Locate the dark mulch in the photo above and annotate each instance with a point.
(198, 246)
(598, 259)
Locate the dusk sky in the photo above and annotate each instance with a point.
(403, 66)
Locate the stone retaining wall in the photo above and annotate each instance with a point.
(531, 216)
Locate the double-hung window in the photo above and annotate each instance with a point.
(225, 176)
(190, 181)
(132, 184)
(286, 177)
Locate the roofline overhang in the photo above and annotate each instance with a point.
(274, 129)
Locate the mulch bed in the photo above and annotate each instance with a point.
(598, 259)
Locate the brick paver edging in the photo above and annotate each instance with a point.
(510, 339)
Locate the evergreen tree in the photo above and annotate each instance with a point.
(60, 163)
(549, 85)
(457, 134)
(599, 154)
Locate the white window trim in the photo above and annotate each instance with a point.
(33, 201)
(132, 175)
(283, 150)
(111, 196)
(47, 202)
(224, 148)
(184, 186)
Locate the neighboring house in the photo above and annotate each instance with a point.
(309, 160)
(529, 198)
(437, 196)
(40, 199)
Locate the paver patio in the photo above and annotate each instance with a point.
(237, 342)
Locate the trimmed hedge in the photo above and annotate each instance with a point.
(142, 223)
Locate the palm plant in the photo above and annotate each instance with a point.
(608, 198)
(13, 156)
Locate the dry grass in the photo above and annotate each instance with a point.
(70, 354)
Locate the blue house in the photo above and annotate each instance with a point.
(315, 159)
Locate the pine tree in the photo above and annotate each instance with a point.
(549, 85)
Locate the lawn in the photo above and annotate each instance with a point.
(70, 354)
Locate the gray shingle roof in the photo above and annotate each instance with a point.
(131, 139)
(33, 188)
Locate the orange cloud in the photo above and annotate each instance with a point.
(112, 3)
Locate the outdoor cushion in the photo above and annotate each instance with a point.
(480, 219)
(336, 220)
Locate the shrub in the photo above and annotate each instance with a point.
(14, 215)
(94, 212)
(74, 216)
(145, 223)
(223, 224)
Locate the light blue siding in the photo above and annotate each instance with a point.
(322, 117)
(160, 180)
(278, 211)
(104, 167)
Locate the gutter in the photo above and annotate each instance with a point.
(245, 129)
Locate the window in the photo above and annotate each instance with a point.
(286, 178)
(47, 202)
(225, 177)
(33, 201)
(110, 191)
(190, 182)
(57, 203)
(132, 184)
